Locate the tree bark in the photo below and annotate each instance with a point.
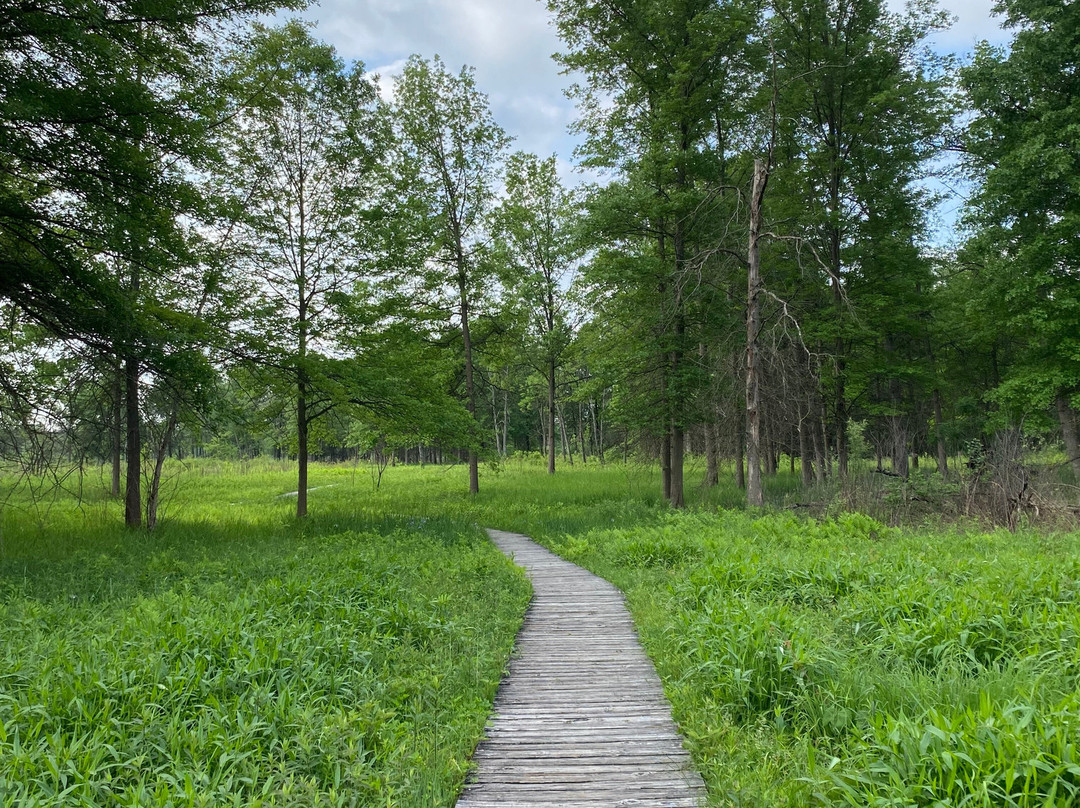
(133, 483)
(712, 467)
(117, 430)
(939, 424)
(581, 433)
(754, 494)
(806, 464)
(665, 463)
(678, 443)
(153, 497)
(470, 389)
(301, 449)
(568, 455)
(817, 436)
(1067, 418)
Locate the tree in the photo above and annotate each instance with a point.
(661, 80)
(302, 156)
(1024, 146)
(536, 229)
(104, 121)
(451, 151)
(862, 111)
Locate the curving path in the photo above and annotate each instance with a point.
(581, 720)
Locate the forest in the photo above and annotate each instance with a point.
(221, 239)
(280, 335)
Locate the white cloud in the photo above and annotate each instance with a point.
(974, 22)
(508, 42)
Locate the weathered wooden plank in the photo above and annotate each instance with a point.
(581, 720)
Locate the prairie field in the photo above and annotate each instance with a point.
(236, 656)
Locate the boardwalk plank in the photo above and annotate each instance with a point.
(580, 720)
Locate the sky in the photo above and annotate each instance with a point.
(510, 43)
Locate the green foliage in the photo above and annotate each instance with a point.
(1024, 147)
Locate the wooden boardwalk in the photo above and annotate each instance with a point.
(581, 720)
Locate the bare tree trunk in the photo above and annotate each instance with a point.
(678, 444)
(712, 467)
(817, 435)
(568, 456)
(153, 497)
(301, 449)
(581, 433)
(898, 443)
(598, 438)
(495, 426)
(665, 463)
(754, 494)
(939, 423)
(897, 427)
(826, 455)
(1068, 433)
(133, 449)
(806, 465)
(470, 389)
(117, 426)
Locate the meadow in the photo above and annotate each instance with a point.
(235, 657)
(238, 657)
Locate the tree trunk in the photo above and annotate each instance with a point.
(598, 437)
(581, 433)
(568, 456)
(939, 422)
(117, 430)
(1068, 433)
(153, 497)
(817, 435)
(678, 444)
(754, 494)
(133, 483)
(897, 427)
(301, 450)
(898, 442)
(712, 467)
(806, 465)
(496, 427)
(665, 464)
(470, 389)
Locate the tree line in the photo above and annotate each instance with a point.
(218, 235)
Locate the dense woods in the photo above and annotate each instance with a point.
(217, 237)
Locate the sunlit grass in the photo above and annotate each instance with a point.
(829, 662)
(236, 656)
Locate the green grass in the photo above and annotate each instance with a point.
(236, 658)
(841, 662)
(809, 662)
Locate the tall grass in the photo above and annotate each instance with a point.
(237, 657)
(240, 656)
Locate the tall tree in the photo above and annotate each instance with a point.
(536, 229)
(656, 76)
(303, 155)
(1024, 145)
(865, 111)
(451, 150)
(103, 123)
